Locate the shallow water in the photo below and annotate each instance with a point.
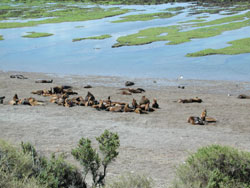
(58, 54)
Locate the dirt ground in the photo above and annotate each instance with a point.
(153, 144)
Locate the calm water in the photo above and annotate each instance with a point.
(58, 54)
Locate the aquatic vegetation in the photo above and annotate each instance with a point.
(176, 36)
(175, 9)
(37, 35)
(144, 17)
(190, 21)
(62, 14)
(101, 37)
(1, 37)
(80, 26)
(238, 47)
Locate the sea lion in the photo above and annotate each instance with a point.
(203, 115)
(134, 104)
(87, 86)
(115, 108)
(144, 100)
(18, 76)
(148, 109)
(89, 97)
(195, 120)
(43, 81)
(155, 104)
(14, 100)
(1, 99)
(243, 96)
(127, 108)
(125, 93)
(129, 83)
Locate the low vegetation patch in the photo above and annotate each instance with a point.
(144, 17)
(237, 47)
(192, 21)
(175, 9)
(101, 37)
(37, 35)
(1, 37)
(131, 181)
(215, 166)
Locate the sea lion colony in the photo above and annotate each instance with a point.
(61, 95)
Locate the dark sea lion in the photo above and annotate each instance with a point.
(129, 83)
(89, 97)
(1, 99)
(243, 96)
(155, 104)
(43, 81)
(87, 86)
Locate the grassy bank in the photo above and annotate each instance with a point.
(101, 37)
(1, 37)
(37, 35)
(237, 47)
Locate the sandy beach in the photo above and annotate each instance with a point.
(153, 144)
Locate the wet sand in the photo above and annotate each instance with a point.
(153, 144)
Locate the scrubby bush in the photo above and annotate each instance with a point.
(94, 162)
(16, 168)
(131, 181)
(215, 167)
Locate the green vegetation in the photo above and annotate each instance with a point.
(238, 47)
(101, 37)
(144, 17)
(1, 37)
(80, 26)
(25, 168)
(213, 167)
(175, 9)
(53, 14)
(131, 181)
(90, 159)
(37, 35)
(190, 21)
(176, 36)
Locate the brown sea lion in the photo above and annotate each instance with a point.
(204, 115)
(148, 109)
(14, 100)
(125, 93)
(127, 108)
(89, 97)
(195, 120)
(134, 104)
(144, 100)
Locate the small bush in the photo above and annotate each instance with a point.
(215, 167)
(131, 181)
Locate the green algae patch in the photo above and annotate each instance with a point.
(101, 37)
(37, 35)
(145, 17)
(58, 15)
(176, 36)
(79, 26)
(193, 21)
(237, 47)
(1, 37)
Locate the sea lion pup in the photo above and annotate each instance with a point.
(144, 100)
(1, 99)
(134, 104)
(243, 96)
(155, 104)
(204, 115)
(14, 100)
(89, 97)
(127, 108)
(44, 81)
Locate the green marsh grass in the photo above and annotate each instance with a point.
(175, 9)
(37, 35)
(237, 47)
(144, 17)
(176, 36)
(101, 37)
(63, 14)
(191, 21)
(1, 37)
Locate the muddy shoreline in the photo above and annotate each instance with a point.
(152, 144)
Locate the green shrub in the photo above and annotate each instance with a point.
(215, 167)
(16, 168)
(92, 161)
(131, 181)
